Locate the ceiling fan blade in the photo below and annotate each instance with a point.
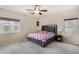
(40, 13)
(43, 10)
(33, 13)
(29, 10)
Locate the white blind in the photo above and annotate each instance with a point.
(71, 26)
(7, 26)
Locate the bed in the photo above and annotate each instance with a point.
(45, 36)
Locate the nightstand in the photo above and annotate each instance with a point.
(59, 38)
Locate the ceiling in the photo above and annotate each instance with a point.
(51, 8)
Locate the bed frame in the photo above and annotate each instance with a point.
(49, 28)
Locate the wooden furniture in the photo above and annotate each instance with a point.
(49, 28)
(59, 38)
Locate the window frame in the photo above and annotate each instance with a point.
(10, 20)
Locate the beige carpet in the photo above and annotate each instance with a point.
(31, 48)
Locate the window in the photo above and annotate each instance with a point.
(15, 26)
(71, 26)
(8, 25)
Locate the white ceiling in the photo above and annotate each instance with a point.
(51, 8)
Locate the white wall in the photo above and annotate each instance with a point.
(58, 18)
(27, 25)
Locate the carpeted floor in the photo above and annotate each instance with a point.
(31, 48)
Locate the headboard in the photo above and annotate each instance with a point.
(49, 28)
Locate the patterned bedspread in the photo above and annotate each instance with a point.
(41, 35)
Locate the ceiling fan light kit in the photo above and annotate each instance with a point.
(36, 12)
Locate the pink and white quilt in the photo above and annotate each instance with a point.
(41, 35)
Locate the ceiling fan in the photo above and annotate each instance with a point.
(37, 10)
